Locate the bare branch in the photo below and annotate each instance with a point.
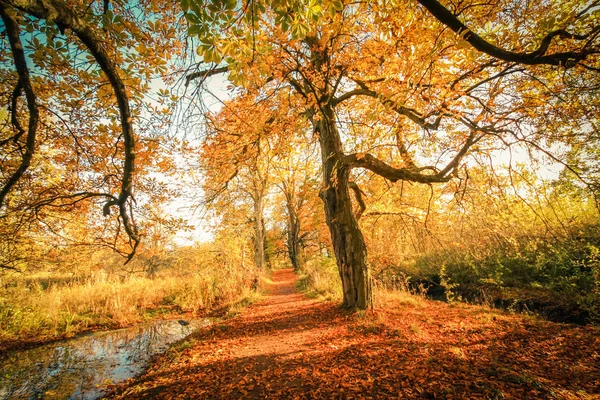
(12, 29)
(411, 114)
(402, 149)
(204, 74)
(73, 198)
(9, 267)
(471, 140)
(535, 57)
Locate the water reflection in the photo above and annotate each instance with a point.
(79, 368)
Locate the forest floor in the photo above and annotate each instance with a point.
(290, 346)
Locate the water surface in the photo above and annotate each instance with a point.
(79, 368)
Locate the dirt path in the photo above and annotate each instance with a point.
(289, 346)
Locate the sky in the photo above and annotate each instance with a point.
(186, 207)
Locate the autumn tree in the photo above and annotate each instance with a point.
(256, 149)
(295, 176)
(437, 81)
(78, 122)
(237, 167)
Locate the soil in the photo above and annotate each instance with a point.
(290, 346)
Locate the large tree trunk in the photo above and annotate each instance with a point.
(348, 242)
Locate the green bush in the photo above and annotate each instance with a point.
(558, 270)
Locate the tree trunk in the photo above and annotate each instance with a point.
(266, 252)
(293, 241)
(259, 233)
(348, 241)
(293, 229)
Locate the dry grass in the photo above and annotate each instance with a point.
(398, 297)
(30, 311)
(321, 279)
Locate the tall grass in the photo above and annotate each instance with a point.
(320, 278)
(34, 310)
(397, 289)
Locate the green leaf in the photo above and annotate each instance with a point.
(192, 18)
(299, 30)
(314, 10)
(194, 30)
(185, 5)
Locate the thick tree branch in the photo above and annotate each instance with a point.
(12, 29)
(372, 163)
(535, 57)
(204, 74)
(359, 198)
(412, 174)
(14, 118)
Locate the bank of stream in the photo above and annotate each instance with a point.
(528, 301)
(79, 368)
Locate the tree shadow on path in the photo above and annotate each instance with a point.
(292, 347)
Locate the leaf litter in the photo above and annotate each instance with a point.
(290, 346)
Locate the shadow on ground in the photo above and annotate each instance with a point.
(293, 347)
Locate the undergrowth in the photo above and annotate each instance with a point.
(559, 277)
(319, 278)
(34, 310)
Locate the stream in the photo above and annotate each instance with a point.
(78, 368)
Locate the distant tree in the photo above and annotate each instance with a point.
(237, 168)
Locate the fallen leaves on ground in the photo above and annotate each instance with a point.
(289, 346)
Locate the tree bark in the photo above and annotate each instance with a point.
(348, 242)
(293, 240)
(259, 232)
(293, 227)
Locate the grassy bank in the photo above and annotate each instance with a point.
(558, 282)
(320, 279)
(40, 307)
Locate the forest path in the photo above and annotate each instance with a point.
(289, 346)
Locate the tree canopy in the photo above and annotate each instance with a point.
(76, 80)
(408, 91)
